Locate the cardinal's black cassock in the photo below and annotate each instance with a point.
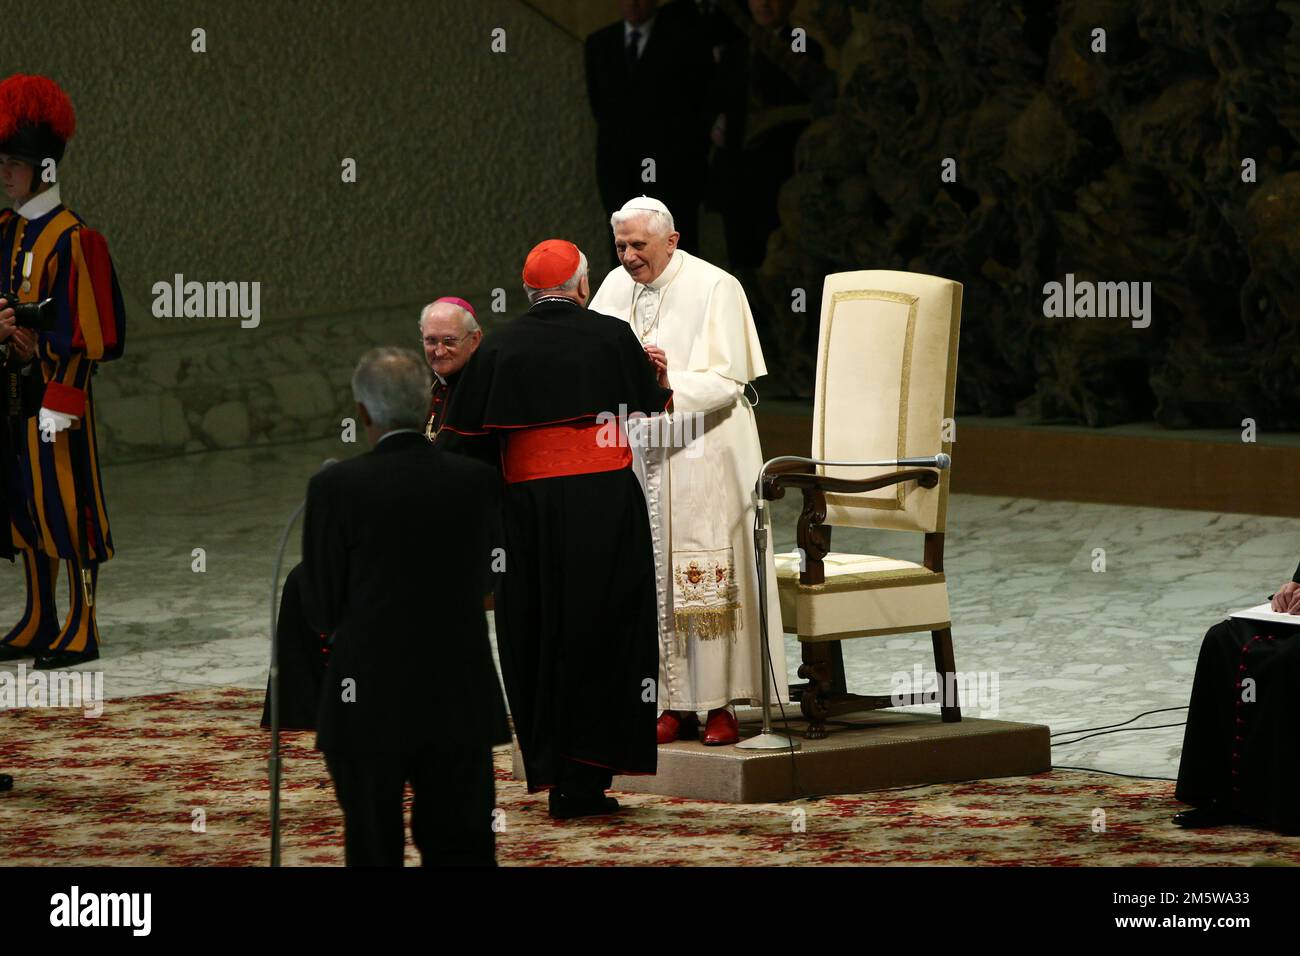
(575, 606)
(1241, 749)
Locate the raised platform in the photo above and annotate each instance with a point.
(869, 751)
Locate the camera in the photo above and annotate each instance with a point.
(38, 316)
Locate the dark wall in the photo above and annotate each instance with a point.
(1115, 166)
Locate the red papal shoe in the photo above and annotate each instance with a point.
(722, 728)
(675, 725)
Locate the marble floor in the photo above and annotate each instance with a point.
(1070, 647)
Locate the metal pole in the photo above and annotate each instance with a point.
(766, 739)
(274, 764)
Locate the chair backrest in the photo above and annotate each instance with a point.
(886, 381)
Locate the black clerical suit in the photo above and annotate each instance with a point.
(303, 658)
(575, 608)
(652, 105)
(11, 409)
(439, 398)
(10, 398)
(396, 557)
(1241, 748)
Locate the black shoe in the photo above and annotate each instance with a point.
(10, 653)
(1201, 818)
(565, 806)
(6, 782)
(57, 660)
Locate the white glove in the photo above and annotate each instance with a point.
(51, 421)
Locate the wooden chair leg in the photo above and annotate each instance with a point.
(817, 668)
(944, 664)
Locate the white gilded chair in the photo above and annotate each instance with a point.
(886, 381)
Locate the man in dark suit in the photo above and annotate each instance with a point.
(449, 334)
(649, 78)
(17, 345)
(769, 82)
(396, 556)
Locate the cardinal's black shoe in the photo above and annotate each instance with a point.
(6, 782)
(1201, 818)
(567, 806)
(58, 660)
(10, 653)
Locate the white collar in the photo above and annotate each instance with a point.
(643, 29)
(40, 204)
(675, 265)
(398, 431)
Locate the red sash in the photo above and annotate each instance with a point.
(552, 451)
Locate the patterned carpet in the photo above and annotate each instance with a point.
(180, 780)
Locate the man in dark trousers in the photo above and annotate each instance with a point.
(576, 606)
(1239, 762)
(17, 346)
(396, 557)
(649, 79)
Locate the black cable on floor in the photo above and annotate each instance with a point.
(1121, 730)
(1112, 773)
(1084, 730)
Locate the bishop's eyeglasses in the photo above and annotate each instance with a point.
(448, 342)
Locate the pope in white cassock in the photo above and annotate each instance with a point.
(698, 472)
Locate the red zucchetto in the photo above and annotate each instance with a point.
(551, 263)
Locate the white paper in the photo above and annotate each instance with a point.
(1264, 612)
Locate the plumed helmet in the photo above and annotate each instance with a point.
(36, 118)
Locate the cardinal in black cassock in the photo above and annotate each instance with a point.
(575, 606)
(1241, 749)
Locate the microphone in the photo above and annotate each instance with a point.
(940, 461)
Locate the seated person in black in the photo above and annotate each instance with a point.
(1241, 749)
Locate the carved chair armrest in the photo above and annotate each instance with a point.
(775, 483)
(813, 535)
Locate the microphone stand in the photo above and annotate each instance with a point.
(766, 738)
(274, 765)
(274, 682)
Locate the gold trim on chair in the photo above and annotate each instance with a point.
(864, 580)
(875, 632)
(949, 402)
(904, 387)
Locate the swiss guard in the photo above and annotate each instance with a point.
(60, 316)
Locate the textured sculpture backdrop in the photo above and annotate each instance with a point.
(1116, 166)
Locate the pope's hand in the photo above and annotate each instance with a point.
(51, 421)
(659, 359)
(1287, 599)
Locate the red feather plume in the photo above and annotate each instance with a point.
(36, 100)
